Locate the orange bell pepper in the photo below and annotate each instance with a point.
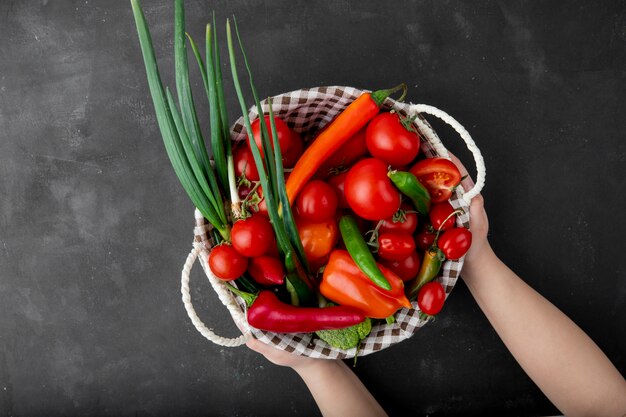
(345, 284)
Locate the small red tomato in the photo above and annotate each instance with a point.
(317, 202)
(252, 236)
(401, 221)
(439, 176)
(291, 156)
(369, 190)
(318, 239)
(261, 205)
(431, 297)
(244, 163)
(424, 240)
(285, 137)
(266, 270)
(439, 213)
(395, 246)
(407, 268)
(388, 139)
(226, 263)
(338, 183)
(455, 243)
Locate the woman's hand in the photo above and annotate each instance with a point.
(480, 250)
(281, 357)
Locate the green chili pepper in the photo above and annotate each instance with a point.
(410, 186)
(431, 264)
(360, 253)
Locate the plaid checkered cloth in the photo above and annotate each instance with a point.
(307, 111)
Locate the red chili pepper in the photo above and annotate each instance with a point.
(342, 128)
(267, 312)
(344, 283)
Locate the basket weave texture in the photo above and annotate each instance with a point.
(307, 111)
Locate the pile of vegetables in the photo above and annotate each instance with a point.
(323, 236)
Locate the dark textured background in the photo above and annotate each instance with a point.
(94, 227)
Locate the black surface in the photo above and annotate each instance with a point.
(94, 226)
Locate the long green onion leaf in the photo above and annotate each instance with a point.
(188, 110)
(183, 87)
(265, 140)
(196, 53)
(287, 214)
(220, 91)
(223, 112)
(217, 140)
(167, 126)
(301, 289)
(188, 150)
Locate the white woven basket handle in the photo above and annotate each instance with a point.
(224, 297)
(441, 150)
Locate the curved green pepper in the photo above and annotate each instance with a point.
(431, 264)
(360, 253)
(410, 186)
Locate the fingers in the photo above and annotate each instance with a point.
(257, 346)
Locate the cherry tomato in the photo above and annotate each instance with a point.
(266, 270)
(317, 201)
(431, 297)
(455, 243)
(261, 206)
(285, 136)
(439, 213)
(369, 191)
(244, 163)
(252, 236)
(424, 240)
(389, 140)
(405, 222)
(226, 263)
(338, 183)
(291, 156)
(395, 246)
(348, 153)
(406, 268)
(439, 176)
(318, 239)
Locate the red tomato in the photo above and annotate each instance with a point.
(405, 222)
(285, 136)
(431, 297)
(338, 183)
(389, 140)
(439, 213)
(261, 206)
(316, 202)
(369, 191)
(244, 163)
(455, 243)
(424, 240)
(439, 176)
(343, 157)
(243, 190)
(406, 268)
(395, 246)
(226, 263)
(318, 239)
(266, 270)
(253, 236)
(291, 155)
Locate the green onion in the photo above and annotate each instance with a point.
(298, 282)
(194, 181)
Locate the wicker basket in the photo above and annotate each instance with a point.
(307, 111)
